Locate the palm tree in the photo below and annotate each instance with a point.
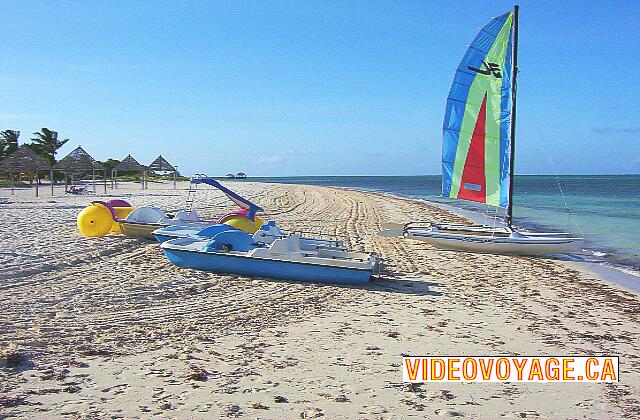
(109, 164)
(46, 144)
(8, 142)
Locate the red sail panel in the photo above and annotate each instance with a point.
(473, 186)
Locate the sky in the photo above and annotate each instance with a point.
(292, 88)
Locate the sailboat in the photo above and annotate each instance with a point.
(478, 151)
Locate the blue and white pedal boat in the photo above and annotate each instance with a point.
(168, 233)
(183, 231)
(269, 253)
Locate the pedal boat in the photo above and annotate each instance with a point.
(118, 216)
(272, 254)
(168, 233)
(143, 221)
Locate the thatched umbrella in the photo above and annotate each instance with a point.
(161, 165)
(24, 159)
(130, 164)
(80, 160)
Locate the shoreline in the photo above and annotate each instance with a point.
(623, 277)
(603, 243)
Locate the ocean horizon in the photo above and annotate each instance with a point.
(604, 209)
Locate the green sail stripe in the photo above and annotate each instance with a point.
(492, 143)
(481, 85)
(471, 133)
(497, 86)
(472, 105)
(486, 137)
(498, 57)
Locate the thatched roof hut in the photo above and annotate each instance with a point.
(80, 160)
(161, 165)
(129, 164)
(24, 159)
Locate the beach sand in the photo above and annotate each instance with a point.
(108, 327)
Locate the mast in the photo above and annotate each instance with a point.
(514, 75)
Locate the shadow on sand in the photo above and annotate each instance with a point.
(407, 286)
(385, 283)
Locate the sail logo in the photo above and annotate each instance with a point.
(488, 69)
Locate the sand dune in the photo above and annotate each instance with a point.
(108, 327)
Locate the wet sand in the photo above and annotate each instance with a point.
(108, 327)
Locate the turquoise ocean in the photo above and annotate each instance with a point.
(604, 209)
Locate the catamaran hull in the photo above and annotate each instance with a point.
(146, 230)
(258, 267)
(140, 230)
(516, 246)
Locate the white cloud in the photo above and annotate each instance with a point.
(616, 130)
(11, 117)
(270, 159)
